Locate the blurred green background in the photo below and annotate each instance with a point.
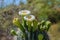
(42, 9)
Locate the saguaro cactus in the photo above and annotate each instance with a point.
(31, 28)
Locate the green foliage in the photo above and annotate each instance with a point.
(42, 8)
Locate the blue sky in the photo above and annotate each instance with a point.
(7, 2)
(10, 1)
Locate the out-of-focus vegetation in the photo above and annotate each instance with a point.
(42, 9)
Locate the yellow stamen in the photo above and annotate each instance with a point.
(24, 13)
(28, 17)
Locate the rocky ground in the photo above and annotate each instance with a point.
(54, 32)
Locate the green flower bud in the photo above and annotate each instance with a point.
(18, 24)
(40, 37)
(13, 32)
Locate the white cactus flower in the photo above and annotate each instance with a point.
(24, 12)
(29, 18)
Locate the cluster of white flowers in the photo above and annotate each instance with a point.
(27, 15)
(24, 12)
(29, 18)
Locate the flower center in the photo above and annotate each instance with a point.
(24, 12)
(28, 17)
